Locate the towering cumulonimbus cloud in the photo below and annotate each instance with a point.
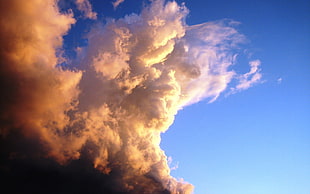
(95, 128)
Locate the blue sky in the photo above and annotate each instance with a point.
(256, 141)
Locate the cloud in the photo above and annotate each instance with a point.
(116, 3)
(96, 127)
(86, 8)
(35, 93)
(207, 51)
(247, 80)
(172, 166)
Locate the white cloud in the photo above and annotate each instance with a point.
(247, 80)
(172, 165)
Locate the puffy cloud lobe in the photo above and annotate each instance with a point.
(35, 93)
(134, 76)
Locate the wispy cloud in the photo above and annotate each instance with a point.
(172, 166)
(86, 8)
(116, 3)
(247, 80)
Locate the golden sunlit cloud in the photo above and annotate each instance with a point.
(131, 80)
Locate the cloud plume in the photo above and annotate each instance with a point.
(96, 127)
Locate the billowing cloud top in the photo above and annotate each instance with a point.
(109, 110)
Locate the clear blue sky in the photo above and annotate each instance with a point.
(256, 141)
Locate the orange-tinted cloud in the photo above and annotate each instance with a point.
(36, 93)
(134, 75)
